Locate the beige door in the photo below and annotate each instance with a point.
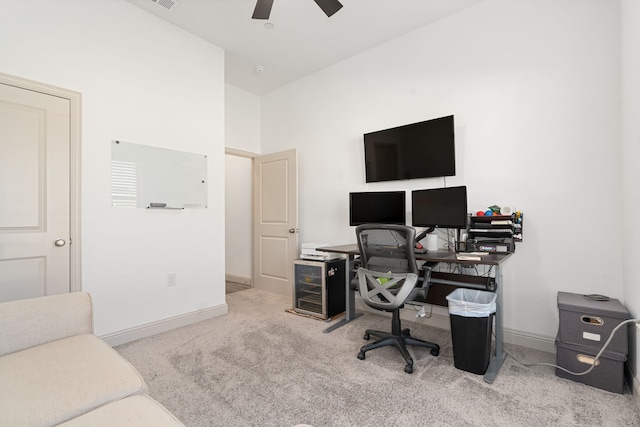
(34, 193)
(275, 218)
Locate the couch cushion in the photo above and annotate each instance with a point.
(133, 411)
(60, 380)
(29, 322)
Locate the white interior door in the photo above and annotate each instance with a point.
(34, 193)
(275, 219)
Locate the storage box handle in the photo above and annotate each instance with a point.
(583, 358)
(592, 320)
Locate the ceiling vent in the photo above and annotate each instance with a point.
(165, 4)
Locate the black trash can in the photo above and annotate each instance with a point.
(471, 313)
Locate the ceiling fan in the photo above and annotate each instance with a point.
(263, 8)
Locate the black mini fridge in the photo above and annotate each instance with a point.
(319, 287)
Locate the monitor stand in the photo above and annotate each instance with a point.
(424, 233)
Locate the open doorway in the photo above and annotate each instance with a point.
(238, 220)
(261, 220)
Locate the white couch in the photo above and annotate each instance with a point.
(54, 371)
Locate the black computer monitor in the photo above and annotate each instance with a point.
(377, 207)
(439, 207)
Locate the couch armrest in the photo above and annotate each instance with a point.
(30, 322)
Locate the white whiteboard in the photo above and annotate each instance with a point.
(142, 175)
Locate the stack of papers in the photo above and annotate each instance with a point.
(471, 256)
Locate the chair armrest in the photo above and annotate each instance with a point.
(34, 321)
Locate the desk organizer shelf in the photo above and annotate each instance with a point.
(495, 234)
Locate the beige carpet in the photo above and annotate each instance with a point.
(262, 366)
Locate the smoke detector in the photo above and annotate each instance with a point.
(165, 4)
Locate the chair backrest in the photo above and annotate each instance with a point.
(387, 247)
(389, 272)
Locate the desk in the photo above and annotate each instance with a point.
(494, 260)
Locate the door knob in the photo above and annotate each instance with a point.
(293, 230)
(60, 242)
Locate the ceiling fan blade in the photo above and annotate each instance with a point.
(263, 9)
(329, 7)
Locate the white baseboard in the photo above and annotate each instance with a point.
(440, 319)
(235, 278)
(164, 325)
(534, 341)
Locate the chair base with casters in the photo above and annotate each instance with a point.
(398, 337)
(388, 291)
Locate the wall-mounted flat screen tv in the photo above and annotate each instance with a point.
(419, 150)
(439, 207)
(377, 207)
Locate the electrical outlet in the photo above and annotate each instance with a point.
(171, 279)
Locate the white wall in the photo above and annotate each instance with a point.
(242, 120)
(142, 81)
(631, 150)
(535, 89)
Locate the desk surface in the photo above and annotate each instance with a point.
(430, 256)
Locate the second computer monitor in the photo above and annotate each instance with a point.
(381, 207)
(439, 207)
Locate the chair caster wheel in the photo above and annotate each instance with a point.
(435, 351)
(408, 369)
(361, 355)
(366, 337)
(406, 332)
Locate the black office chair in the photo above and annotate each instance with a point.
(387, 278)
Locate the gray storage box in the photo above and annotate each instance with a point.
(608, 375)
(587, 322)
